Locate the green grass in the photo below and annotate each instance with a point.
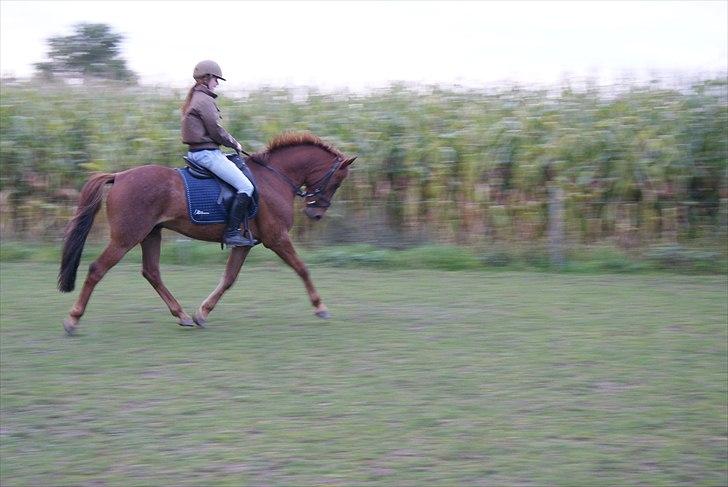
(704, 259)
(421, 378)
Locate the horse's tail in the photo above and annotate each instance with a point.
(79, 227)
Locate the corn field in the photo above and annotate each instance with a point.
(631, 165)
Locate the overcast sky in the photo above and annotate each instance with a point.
(360, 45)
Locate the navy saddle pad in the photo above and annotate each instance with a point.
(208, 197)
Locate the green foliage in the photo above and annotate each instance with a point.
(92, 51)
(679, 258)
(15, 252)
(351, 256)
(438, 257)
(639, 166)
(671, 259)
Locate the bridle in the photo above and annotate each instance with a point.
(298, 190)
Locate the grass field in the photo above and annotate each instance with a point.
(421, 378)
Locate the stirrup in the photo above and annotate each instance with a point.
(247, 234)
(248, 237)
(239, 240)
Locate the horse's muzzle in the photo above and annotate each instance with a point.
(314, 213)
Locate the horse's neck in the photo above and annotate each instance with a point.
(296, 162)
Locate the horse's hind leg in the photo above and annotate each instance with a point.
(108, 259)
(151, 246)
(232, 269)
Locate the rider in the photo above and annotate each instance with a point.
(202, 132)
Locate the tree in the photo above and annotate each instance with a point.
(92, 51)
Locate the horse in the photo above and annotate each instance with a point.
(145, 199)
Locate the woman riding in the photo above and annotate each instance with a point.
(202, 132)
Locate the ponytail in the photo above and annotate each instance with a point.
(188, 100)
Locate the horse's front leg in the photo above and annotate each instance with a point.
(284, 248)
(232, 269)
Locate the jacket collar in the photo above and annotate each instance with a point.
(205, 90)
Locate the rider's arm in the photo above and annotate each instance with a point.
(210, 115)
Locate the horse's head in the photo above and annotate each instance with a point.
(320, 191)
(305, 161)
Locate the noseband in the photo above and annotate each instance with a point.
(319, 186)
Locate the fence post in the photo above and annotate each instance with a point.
(556, 225)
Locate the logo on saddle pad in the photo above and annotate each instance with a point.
(200, 212)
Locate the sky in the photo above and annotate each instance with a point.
(362, 45)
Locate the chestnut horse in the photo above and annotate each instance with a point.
(145, 199)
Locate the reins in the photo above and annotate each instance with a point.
(298, 190)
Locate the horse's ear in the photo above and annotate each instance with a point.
(348, 162)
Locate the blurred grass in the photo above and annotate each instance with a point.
(422, 377)
(583, 259)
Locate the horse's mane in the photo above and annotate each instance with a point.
(291, 139)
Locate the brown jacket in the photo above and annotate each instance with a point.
(201, 127)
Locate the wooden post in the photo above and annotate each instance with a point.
(556, 226)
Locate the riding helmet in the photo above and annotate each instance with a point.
(207, 67)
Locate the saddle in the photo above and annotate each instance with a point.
(209, 197)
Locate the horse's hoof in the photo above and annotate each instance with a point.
(69, 327)
(199, 320)
(324, 314)
(185, 322)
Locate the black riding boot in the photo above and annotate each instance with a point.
(238, 213)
